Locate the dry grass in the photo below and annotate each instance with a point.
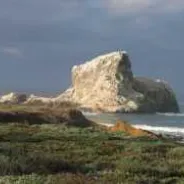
(123, 126)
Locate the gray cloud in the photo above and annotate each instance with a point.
(11, 51)
(122, 7)
(47, 11)
(42, 11)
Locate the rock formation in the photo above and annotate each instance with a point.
(159, 95)
(36, 100)
(107, 84)
(13, 98)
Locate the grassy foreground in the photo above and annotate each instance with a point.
(54, 153)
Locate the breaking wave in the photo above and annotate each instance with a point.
(171, 114)
(159, 129)
(85, 113)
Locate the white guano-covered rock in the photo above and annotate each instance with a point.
(106, 83)
(13, 98)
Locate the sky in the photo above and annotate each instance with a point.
(40, 40)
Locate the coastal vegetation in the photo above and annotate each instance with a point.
(59, 145)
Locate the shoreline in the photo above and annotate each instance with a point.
(174, 133)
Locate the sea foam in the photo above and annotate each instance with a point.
(160, 129)
(86, 113)
(171, 114)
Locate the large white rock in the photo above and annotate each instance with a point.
(106, 83)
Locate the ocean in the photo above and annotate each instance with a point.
(171, 124)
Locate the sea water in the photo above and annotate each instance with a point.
(164, 123)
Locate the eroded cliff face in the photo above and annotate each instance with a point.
(106, 83)
(158, 95)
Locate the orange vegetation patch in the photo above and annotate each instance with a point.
(122, 126)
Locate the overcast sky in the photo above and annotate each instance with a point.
(40, 40)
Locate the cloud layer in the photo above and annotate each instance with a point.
(54, 35)
(11, 51)
(144, 6)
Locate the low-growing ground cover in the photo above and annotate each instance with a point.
(57, 153)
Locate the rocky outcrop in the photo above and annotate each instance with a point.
(13, 98)
(158, 95)
(107, 84)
